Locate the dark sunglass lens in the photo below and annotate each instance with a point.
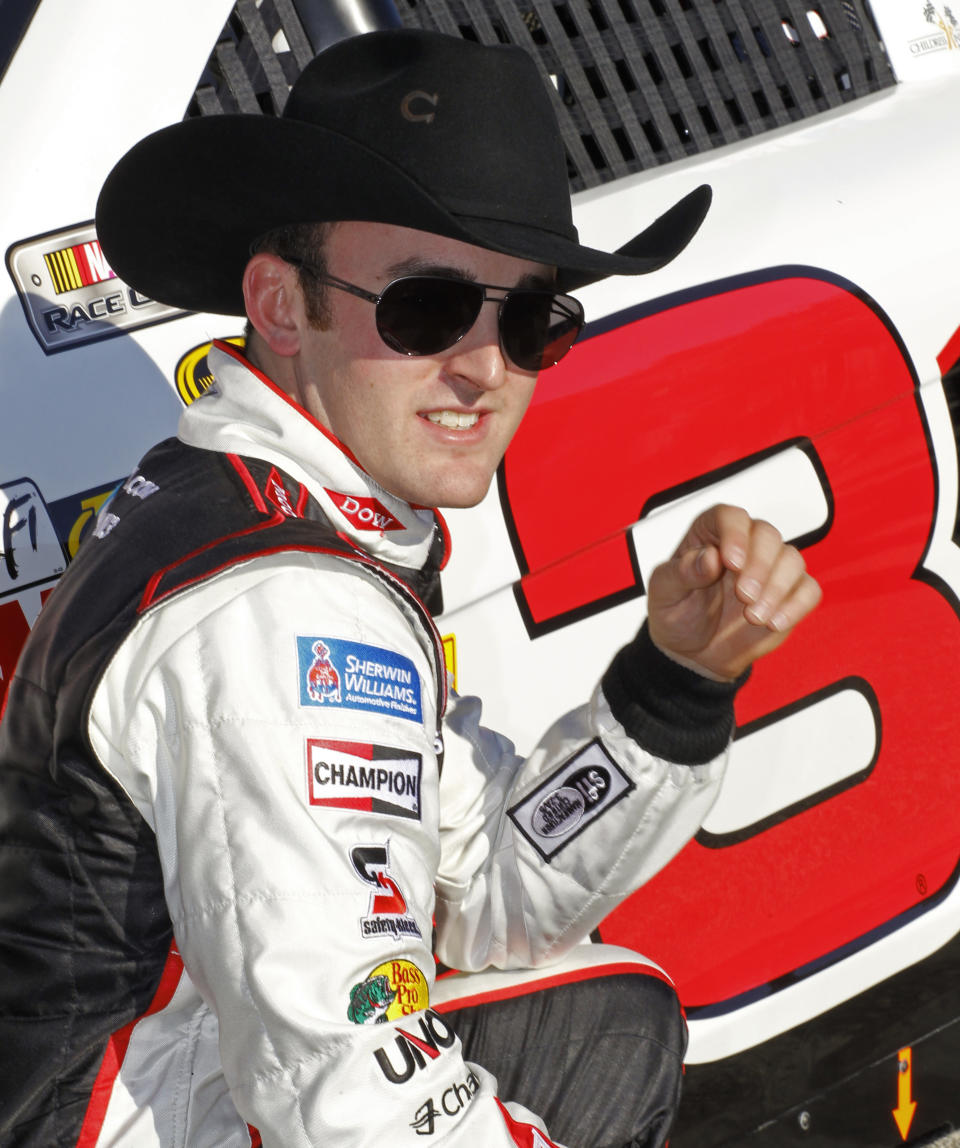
(423, 316)
(538, 328)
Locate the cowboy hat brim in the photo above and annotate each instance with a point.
(178, 213)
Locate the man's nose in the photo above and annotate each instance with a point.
(478, 358)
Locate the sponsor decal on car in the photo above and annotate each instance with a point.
(450, 657)
(452, 1102)
(30, 551)
(70, 294)
(387, 914)
(338, 673)
(193, 375)
(30, 560)
(946, 38)
(392, 990)
(75, 515)
(570, 799)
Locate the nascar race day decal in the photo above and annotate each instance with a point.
(570, 799)
(350, 675)
(70, 294)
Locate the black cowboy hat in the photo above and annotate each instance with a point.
(406, 127)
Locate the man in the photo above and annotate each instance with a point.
(236, 798)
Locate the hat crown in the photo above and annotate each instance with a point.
(404, 127)
(440, 108)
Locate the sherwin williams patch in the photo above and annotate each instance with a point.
(350, 675)
(365, 777)
(570, 799)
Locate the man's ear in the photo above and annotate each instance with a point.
(274, 302)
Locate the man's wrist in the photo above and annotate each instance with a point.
(689, 663)
(672, 710)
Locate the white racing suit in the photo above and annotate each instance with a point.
(275, 725)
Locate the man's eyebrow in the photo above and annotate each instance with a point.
(416, 266)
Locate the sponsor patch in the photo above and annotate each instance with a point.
(362, 776)
(570, 799)
(415, 1047)
(350, 675)
(70, 294)
(137, 486)
(452, 1101)
(364, 513)
(391, 990)
(387, 915)
(276, 493)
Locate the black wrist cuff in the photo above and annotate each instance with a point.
(672, 711)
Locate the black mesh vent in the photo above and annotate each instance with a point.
(644, 82)
(637, 82)
(259, 54)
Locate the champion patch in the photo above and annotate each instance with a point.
(365, 777)
(570, 799)
(349, 675)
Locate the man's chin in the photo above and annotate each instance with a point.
(458, 495)
(452, 486)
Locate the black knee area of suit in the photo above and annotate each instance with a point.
(600, 1059)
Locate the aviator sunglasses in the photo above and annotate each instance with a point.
(426, 314)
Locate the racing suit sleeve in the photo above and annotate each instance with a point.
(276, 727)
(536, 852)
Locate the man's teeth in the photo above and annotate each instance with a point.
(459, 419)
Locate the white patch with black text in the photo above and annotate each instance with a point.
(570, 799)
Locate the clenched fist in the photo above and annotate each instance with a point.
(732, 592)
